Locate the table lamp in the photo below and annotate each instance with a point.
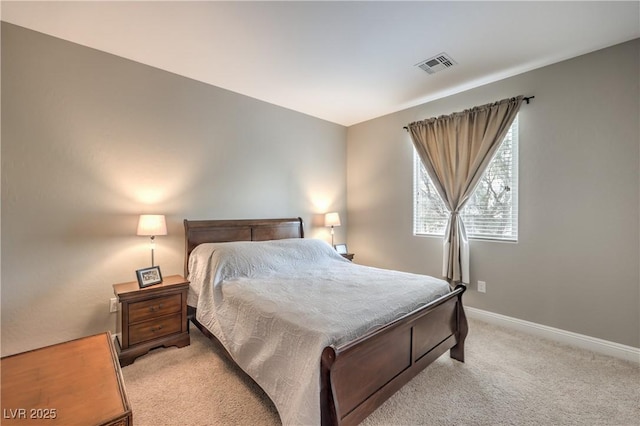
(332, 219)
(152, 225)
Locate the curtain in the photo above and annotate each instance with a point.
(455, 150)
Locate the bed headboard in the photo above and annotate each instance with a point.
(221, 231)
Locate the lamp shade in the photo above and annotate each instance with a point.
(332, 219)
(152, 225)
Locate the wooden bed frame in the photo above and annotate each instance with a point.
(356, 377)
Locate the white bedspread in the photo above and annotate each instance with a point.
(275, 305)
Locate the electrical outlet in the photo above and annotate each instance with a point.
(113, 305)
(482, 286)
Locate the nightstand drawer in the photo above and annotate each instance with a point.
(154, 308)
(153, 329)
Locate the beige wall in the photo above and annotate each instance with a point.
(90, 140)
(576, 264)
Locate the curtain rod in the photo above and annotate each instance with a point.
(526, 99)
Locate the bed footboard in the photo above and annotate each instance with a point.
(358, 377)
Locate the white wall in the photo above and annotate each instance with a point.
(576, 264)
(90, 141)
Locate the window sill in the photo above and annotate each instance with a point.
(488, 239)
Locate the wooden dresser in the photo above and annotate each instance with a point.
(71, 383)
(151, 317)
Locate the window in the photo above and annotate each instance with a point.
(492, 211)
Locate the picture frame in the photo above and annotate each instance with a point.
(341, 248)
(149, 276)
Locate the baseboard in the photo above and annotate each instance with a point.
(628, 353)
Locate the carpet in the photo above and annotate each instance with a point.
(508, 378)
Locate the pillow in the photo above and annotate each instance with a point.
(256, 258)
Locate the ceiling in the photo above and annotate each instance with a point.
(345, 62)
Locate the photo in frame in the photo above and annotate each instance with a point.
(149, 276)
(341, 248)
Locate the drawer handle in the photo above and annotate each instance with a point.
(154, 329)
(155, 308)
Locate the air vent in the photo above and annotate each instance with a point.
(437, 63)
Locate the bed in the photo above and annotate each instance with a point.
(313, 370)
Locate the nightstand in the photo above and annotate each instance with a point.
(347, 255)
(151, 317)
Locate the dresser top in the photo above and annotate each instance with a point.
(80, 380)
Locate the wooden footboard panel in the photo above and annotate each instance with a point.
(359, 376)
